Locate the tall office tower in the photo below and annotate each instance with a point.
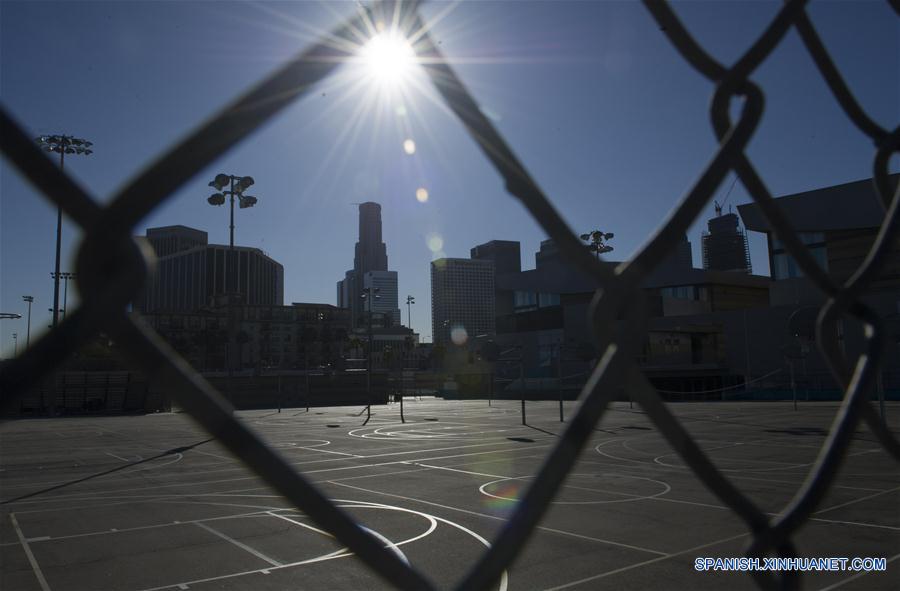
(549, 254)
(371, 253)
(725, 245)
(507, 258)
(385, 304)
(681, 257)
(462, 299)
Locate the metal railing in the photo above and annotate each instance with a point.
(112, 268)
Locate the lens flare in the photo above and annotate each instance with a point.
(459, 335)
(422, 194)
(435, 242)
(409, 147)
(504, 498)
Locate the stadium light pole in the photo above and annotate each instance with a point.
(596, 240)
(410, 300)
(61, 144)
(28, 299)
(237, 185)
(65, 275)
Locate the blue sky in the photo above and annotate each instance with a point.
(612, 123)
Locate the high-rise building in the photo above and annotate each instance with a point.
(725, 245)
(462, 299)
(370, 256)
(385, 304)
(506, 255)
(507, 258)
(192, 272)
(371, 252)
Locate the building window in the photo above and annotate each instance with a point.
(525, 299)
(548, 299)
(681, 292)
(785, 267)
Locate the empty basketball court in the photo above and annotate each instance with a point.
(150, 502)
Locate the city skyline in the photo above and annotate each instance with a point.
(608, 118)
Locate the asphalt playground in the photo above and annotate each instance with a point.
(152, 503)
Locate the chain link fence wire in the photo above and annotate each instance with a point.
(112, 269)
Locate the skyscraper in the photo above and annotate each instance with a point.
(371, 253)
(370, 256)
(462, 299)
(725, 245)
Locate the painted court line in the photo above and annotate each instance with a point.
(300, 523)
(31, 559)
(859, 500)
(240, 545)
(496, 518)
(644, 563)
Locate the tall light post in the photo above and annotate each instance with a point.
(28, 299)
(15, 344)
(369, 295)
(237, 185)
(597, 242)
(61, 144)
(410, 300)
(65, 275)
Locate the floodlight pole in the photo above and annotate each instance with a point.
(65, 277)
(409, 301)
(62, 144)
(28, 299)
(219, 183)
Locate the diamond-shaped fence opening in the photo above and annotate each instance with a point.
(112, 268)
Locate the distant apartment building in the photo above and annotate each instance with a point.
(190, 272)
(462, 299)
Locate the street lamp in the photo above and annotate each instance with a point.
(65, 275)
(28, 299)
(370, 294)
(62, 144)
(409, 301)
(597, 241)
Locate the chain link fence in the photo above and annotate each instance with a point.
(112, 269)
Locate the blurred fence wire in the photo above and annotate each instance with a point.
(112, 268)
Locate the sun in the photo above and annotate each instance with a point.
(388, 57)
